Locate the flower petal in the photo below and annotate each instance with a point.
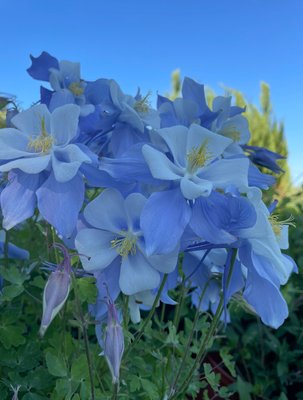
(137, 275)
(60, 203)
(163, 220)
(96, 245)
(64, 123)
(160, 166)
(66, 162)
(107, 212)
(18, 198)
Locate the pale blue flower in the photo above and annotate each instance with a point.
(115, 233)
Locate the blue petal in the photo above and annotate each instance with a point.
(60, 98)
(137, 274)
(160, 166)
(30, 121)
(30, 165)
(95, 245)
(64, 123)
(163, 221)
(107, 211)
(18, 199)
(41, 65)
(265, 298)
(176, 139)
(60, 203)
(134, 204)
(66, 162)
(107, 284)
(223, 173)
(194, 91)
(191, 190)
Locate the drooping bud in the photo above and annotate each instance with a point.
(56, 290)
(113, 341)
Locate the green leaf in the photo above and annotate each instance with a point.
(244, 389)
(12, 334)
(55, 366)
(212, 378)
(228, 361)
(150, 388)
(134, 383)
(11, 291)
(172, 337)
(13, 275)
(87, 289)
(79, 370)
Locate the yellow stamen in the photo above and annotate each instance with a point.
(198, 157)
(277, 225)
(125, 244)
(76, 88)
(42, 143)
(143, 104)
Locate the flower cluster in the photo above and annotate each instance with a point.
(177, 179)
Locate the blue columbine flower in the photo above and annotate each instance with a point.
(45, 165)
(115, 236)
(196, 161)
(64, 78)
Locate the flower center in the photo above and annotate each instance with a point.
(143, 104)
(125, 244)
(76, 88)
(278, 225)
(198, 157)
(43, 143)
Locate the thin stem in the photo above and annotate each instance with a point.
(6, 262)
(85, 337)
(190, 338)
(140, 332)
(115, 391)
(55, 248)
(177, 313)
(208, 336)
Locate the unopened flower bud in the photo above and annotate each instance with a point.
(56, 290)
(55, 294)
(113, 342)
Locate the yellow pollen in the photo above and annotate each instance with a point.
(76, 88)
(143, 104)
(43, 143)
(125, 244)
(198, 157)
(278, 225)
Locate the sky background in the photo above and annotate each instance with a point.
(234, 43)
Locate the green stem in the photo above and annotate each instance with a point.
(140, 332)
(6, 261)
(178, 309)
(209, 335)
(115, 391)
(85, 337)
(55, 249)
(186, 351)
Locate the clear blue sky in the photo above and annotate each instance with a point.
(138, 43)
